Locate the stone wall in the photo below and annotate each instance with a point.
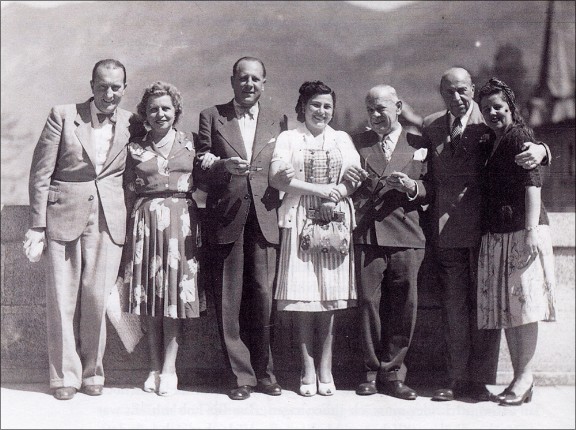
(24, 352)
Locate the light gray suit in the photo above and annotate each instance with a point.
(84, 216)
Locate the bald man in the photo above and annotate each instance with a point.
(388, 243)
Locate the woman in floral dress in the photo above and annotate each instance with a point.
(314, 286)
(515, 267)
(161, 252)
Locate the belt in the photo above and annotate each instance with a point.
(168, 194)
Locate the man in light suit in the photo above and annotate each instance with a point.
(77, 207)
(388, 243)
(458, 148)
(242, 225)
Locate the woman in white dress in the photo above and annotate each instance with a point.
(314, 284)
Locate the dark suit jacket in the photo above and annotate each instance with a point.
(230, 196)
(63, 180)
(456, 178)
(384, 216)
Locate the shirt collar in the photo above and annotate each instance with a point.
(393, 136)
(94, 111)
(241, 110)
(463, 119)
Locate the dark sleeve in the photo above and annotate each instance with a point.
(217, 174)
(517, 137)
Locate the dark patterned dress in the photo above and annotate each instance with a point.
(161, 251)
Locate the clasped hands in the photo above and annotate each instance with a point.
(396, 180)
(239, 166)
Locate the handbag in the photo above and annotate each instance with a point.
(321, 237)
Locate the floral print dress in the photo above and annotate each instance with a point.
(161, 251)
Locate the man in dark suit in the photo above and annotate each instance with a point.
(458, 148)
(389, 242)
(77, 207)
(242, 225)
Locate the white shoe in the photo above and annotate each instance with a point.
(168, 384)
(152, 382)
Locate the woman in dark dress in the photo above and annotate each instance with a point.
(516, 267)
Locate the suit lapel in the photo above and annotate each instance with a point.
(229, 129)
(83, 123)
(401, 157)
(374, 155)
(121, 136)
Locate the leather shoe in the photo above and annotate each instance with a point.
(64, 393)
(366, 388)
(455, 389)
(241, 393)
(93, 390)
(397, 389)
(269, 389)
(478, 391)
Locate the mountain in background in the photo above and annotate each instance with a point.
(48, 54)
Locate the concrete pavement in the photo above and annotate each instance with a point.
(27, 406)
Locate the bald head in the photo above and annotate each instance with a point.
(457, 90)
(383, 107)
(383, 91)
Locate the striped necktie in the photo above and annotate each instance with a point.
(455, 133)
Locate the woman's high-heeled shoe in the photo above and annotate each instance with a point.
(308, 390)
(513, 400)
(503, 394)
(326, 388)
(168, 384)
(152, 382)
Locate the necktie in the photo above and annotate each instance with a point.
(242, 111)
(455, 133)
(386, 148)
(102, 117)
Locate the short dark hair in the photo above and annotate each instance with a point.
(111, 64)
(258, 60)
(308, 90)
(160, 88)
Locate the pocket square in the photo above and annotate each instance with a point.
(420, 155)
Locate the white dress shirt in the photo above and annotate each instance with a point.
(101, 137)
(247, 123)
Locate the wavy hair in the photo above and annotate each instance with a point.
(160, 88)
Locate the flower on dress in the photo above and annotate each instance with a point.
(485, 138)
(139, 294)
(185, 220)
(188, 289)
(162, 214)
(193, 266)
(162, 166)
(172, 311)
(159, 286)
(173, 253)
(183, 183)
(139, 153)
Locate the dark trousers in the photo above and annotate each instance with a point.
(243, 275)
(388, 301)
(472, 353)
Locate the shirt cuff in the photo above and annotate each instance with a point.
(411, 199)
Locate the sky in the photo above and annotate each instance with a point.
(377, 5)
